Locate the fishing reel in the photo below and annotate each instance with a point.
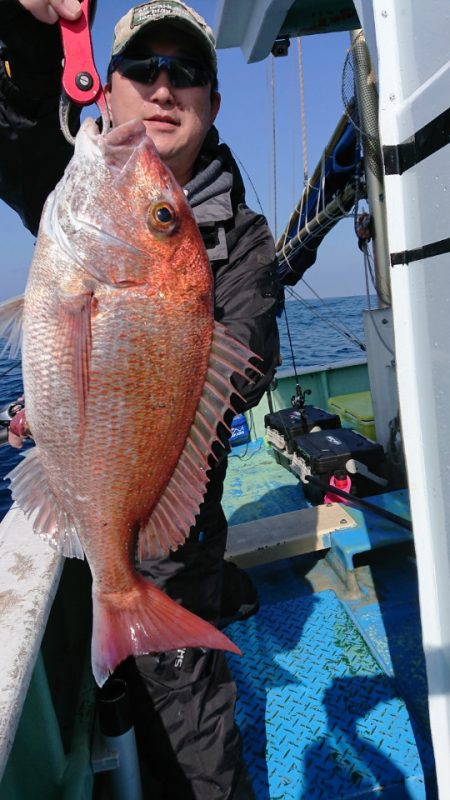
(298, 399)
(298, 402)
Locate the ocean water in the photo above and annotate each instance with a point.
(323, 331)
(315, 331)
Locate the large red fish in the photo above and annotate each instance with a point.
(126, 376)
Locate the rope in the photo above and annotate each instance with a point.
(274, 149)
(302, 111)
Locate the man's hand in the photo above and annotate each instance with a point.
(51, 10)
(18, 430)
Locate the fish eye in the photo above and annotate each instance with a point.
(163, 217)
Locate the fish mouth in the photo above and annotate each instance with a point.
(119, 145)
(119, 142)
(129, 134)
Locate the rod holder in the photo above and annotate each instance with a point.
(117, 730)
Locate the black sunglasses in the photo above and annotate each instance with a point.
(183, 72)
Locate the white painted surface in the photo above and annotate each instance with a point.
(414, 73)
(251, 25)
(379, 336)
(29, 575)
(286, 535)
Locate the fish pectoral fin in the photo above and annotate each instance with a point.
(179, 504)
(75, 337)
(32, 492)
(11, 315)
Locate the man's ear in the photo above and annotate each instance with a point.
(107, 93)
(215, 105)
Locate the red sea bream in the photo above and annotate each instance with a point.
(126, 375)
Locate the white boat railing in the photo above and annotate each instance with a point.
(30, 571)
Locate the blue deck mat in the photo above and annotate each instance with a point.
(320, 719)
(257, 486)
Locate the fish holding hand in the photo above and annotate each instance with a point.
(121, 348)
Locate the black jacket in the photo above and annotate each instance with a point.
(34, 154)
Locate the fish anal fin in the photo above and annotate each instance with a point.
(179, 504)
(145, 620)
(31, 490)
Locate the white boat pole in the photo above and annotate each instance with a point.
(367, 102)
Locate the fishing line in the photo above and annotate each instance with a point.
(236, 157)
(328, 322)
(341, 322)
(290, 344)
(356, 342)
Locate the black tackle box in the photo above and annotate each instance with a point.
(290, 423)
(324, 452)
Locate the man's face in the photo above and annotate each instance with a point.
(177, 120)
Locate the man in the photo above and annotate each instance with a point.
(163, 71)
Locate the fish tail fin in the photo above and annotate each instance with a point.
(145, 620)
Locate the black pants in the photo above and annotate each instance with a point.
(184, 700)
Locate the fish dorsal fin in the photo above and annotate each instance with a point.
(31, 490)
(11, 315)
(176, 509)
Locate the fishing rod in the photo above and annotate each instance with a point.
(358, 501)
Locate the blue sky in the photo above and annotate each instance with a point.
(245, 123)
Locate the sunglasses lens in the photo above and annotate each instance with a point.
(140, 71)
(183, 72)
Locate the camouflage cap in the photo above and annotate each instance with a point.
(170, 11)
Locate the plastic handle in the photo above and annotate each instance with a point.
(80, 80)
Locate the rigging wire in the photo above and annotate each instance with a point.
(344, 330)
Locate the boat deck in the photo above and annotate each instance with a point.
(332, 692)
